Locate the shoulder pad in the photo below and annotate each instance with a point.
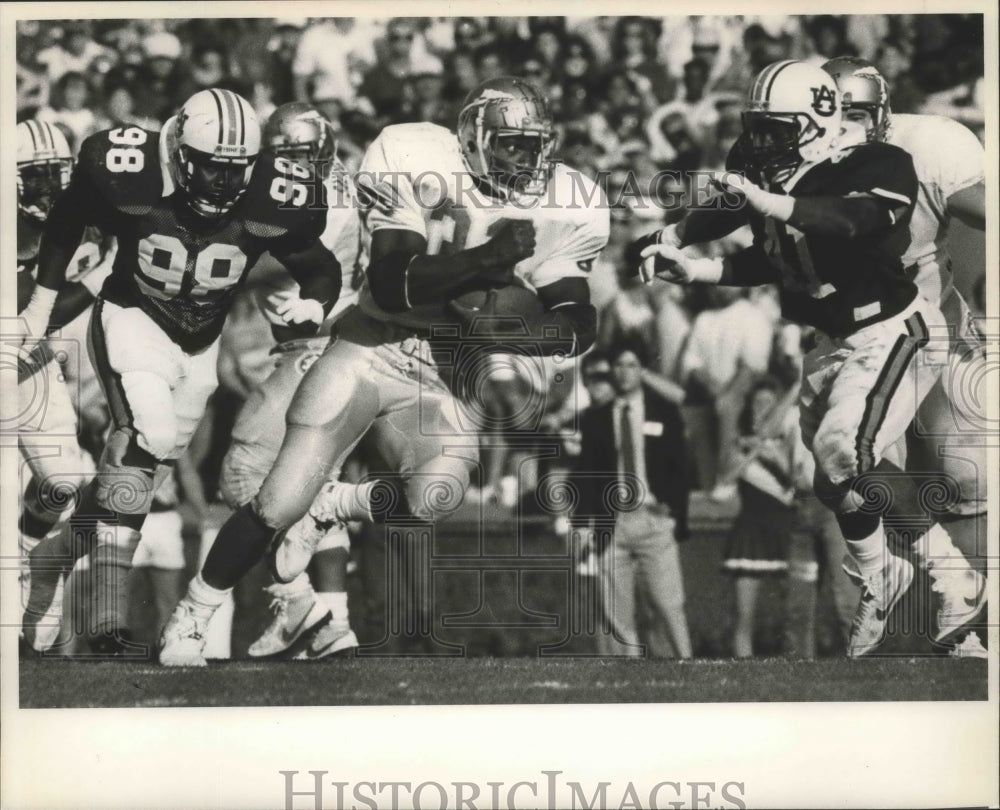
(282, 197)
(124, 166)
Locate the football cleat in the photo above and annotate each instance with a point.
(879, 594)
(182, 643)
(294, 616)
(963, 595)
(969, 647)
(330, 638)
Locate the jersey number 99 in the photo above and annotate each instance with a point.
(164, 262)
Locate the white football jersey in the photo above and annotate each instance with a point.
(947, 157)
(419, 171)
(342, 237)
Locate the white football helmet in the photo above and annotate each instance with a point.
(44, 164)
(793, 115)
(212, 144)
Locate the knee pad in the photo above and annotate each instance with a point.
(125, 475)
(241, 476)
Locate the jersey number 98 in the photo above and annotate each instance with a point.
(125, 155)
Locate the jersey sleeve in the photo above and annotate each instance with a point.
(574, 255)
(959, 158)
(887, 173)
(284, 203)
(122, 168)
(385, 191)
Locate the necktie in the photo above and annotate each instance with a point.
(627, 445)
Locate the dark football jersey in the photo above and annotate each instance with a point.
(834, 283)
(181, 269)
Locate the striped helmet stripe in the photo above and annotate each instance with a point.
(222, 115)
(761, 90)
(233, 129)
(34, 137)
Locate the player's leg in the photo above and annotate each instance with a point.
(889, 371)
(137, 365)
(330, 412)
(257, 437)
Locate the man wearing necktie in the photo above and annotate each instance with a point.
(633, 494)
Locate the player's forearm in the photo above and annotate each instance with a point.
(318, 274)
(73, 300)
(707, 225)
(402, 278)
(848, 217)
(749, 267)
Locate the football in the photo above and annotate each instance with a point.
(512, 301)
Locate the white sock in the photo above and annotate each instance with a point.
(869, 552)
(203, 595)
(336, 601)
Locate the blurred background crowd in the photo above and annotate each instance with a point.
(632, 96)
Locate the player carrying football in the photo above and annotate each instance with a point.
(192, 209)
(450, 216)
(830, 228)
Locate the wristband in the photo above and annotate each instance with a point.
(778, 206)
(708, 271)
(43, 300)
(94, 280)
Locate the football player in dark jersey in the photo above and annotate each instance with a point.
(830, 226)
(193, 209)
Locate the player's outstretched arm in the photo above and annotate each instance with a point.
(568, 316)
(745, 268)
(401, 274)
(969, 205)
(700, 225)
(318, 274)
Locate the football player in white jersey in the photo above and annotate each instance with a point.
(299, 133)
(831, 226)
(193, 209)
(450, 216)
(948, 433)
(48, 420)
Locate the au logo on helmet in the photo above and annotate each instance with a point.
(824, 100)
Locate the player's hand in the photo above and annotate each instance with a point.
(633, 251)
(512, 242)
(671, 264)
(294, 310)
(33, 320)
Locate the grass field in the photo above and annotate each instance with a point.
(401, 681)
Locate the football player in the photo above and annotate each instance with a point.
(48, 433)
(299, 133)
(449, 215)
(192, 209)
(830, 227)
(949, 161)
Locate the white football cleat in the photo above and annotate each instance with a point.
(879, 594)
(330, 638)
(963, 595)
(182, 642)
(294, 615)
(970, 647)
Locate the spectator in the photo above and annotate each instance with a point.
(330, 53)
(385, 84)
(633, 49)
(424, 99)
(74, 53)
(759, 537)
(489, 63)
(281, 50)
(72, 109)
(635, 444)
(578, 61)
(728, 347)
(547, 42)
(119, 110)
(469, 35)
(828, 35)
(159, 77)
